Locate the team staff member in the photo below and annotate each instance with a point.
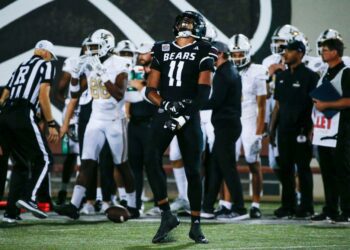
(293, 111)
(141, 113)
(28, 87)
(225, 102)
(335, 162)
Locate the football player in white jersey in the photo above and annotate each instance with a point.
(274, 62)
(105, 75)
(254, 78)
(325, 35)
(70, 143)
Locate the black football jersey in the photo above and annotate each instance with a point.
(180, 67)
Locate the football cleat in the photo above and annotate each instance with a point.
(255, 213)
(61, 198)
(68, 210)
(154, 211)
(134, 212)
(196, 234)
(168, 223)
(283, 213)
(88, 209)
(179, 204)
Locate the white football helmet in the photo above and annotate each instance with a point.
(126, 48)
(325, 35)
(103, 39)
(211, 33)
(240, 43)
(282, 36)
(301, 37)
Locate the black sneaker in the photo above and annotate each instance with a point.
(222, 211)
(11, 219)
(68, 210)
(323, 216)
(255, 213)
(196, 234)
(283, 212)
(301, 212)
(342, 218)
(134, 212)
(207, 214)
(167, 223)
(61, 197)
(32, 207)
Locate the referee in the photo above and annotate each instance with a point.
(28, 87)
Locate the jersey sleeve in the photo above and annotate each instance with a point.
(10, 82)
(48, 72)
(68, 65)
(210, 55)
(156, 57)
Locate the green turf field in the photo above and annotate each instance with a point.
(97, 233)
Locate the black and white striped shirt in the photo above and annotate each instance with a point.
(26, 79)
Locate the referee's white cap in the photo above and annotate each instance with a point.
(46, 45)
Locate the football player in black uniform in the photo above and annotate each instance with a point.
(179, 84)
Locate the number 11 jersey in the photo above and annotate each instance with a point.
(180, 67)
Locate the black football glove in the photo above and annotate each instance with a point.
(176, 123)
(173, 108)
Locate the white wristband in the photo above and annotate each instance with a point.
(74, 88)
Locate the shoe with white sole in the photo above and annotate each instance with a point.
(32, 207)
(104, 207)
(155, 211)
(88, 209)
(179, 204)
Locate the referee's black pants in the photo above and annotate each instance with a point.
(190, 143)
(291, 154)
(223, 166)
(22, 135)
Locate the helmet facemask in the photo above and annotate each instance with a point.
(185, 27)
(240, 58)
(277, 46)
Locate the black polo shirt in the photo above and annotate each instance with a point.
(345, 85)
(225, 100)
(295, 104)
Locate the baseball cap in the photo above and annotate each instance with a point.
(46, 45)
(145, 48)
(221, 47)
(295, 45)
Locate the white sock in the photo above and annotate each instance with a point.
(99, 194)
(64, 186)
(113, 199)
(122, 193)
(131, 199)
(226, 204)
(255, 204)
(181, 182)
(78, 195)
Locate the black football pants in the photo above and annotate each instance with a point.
(223, 166)
(291, 154)
(190, 143)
